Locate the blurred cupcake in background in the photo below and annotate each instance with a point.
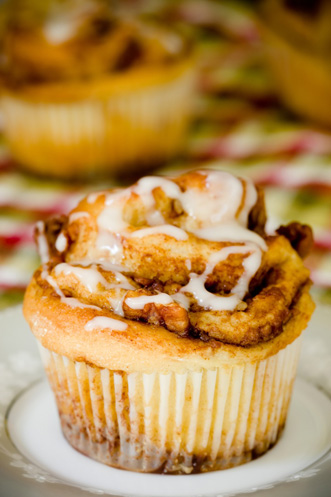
(87, 93)
(297, 38)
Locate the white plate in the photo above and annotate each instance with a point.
(42, 464)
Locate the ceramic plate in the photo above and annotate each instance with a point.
(35, 460)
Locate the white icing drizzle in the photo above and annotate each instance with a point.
(107, 266)
(75, 303)
(216, 211)
(144, 188)
(250, 200)
(111, 224)
(208, 300)
(217, 203)
(182, 300)
(230, 232)
(103, 322)
(70, 301)
(61, 243)
(59, 29)
(42, 243)
(141, 301)
(77, 215)
(112, 215)
(122, 282)
(110, 244)
(92, 197)
(165, 229)
(117, 304)
(90, 277)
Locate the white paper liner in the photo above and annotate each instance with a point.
(98, 134)
(178, 423)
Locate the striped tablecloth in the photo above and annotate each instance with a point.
(239, 126)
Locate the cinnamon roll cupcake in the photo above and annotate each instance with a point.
(169, 323)
(97, 91)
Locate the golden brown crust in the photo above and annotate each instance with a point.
(143, 347)
(260, 319)
(157, 265)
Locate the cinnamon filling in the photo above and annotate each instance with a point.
(181, 253)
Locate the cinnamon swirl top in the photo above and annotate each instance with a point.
(187, 255)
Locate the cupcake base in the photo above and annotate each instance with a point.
(179, 423)
(96, 132)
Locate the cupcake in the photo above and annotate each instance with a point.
(169, 323)
(86, 93)
(297, 40)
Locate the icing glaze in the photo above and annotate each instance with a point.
(110, 244)
(141, 301)
(70, 301)
(165, 229)
(230, 232)
(116, 303)
(111, 224)
(42, 243)
(59, 29)
(215, 208)
(216, 211)
(77, 215)
(208, 300)
(103, 322)
(61, 243)
(182, 300)
(92, 197)
(89, 276)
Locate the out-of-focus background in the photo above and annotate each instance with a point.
(262, 108)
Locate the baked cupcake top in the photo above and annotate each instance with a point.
(56, 41)
(182, 262)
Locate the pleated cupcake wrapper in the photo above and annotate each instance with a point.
(174, 422)
(142, 125)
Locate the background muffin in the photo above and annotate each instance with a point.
(298, 47)
(169, 323)
(98, 92)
